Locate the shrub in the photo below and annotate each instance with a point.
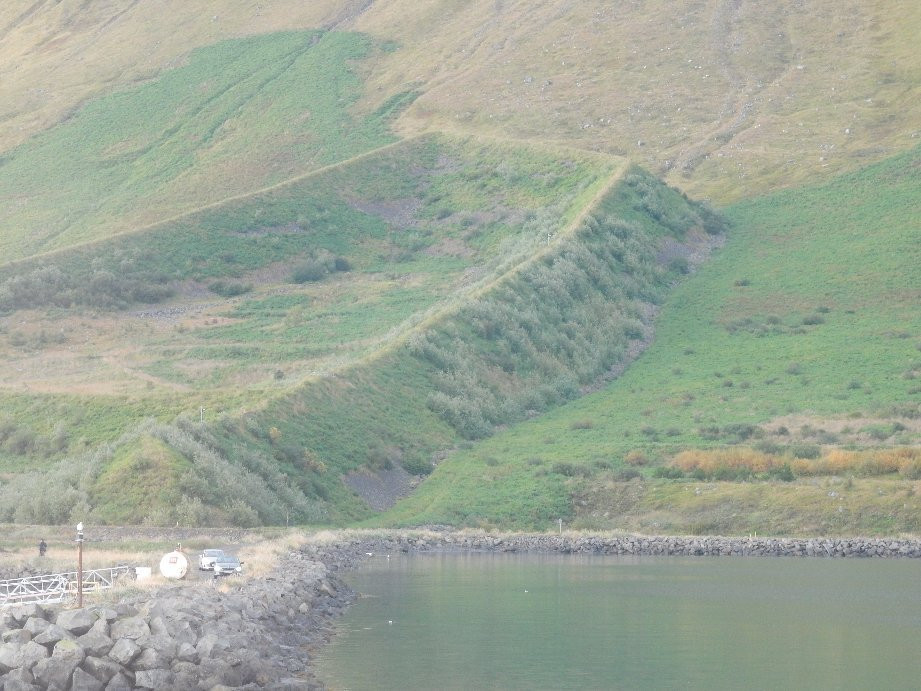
(581, 424)
(679, 265)
(21, 442)
(342, 264)
(668, 472)
(803, 450)
(878, 432)
(570, 469)
(309, 461)
(769, 447)
(308, 271)
(229, 289)
(417, 466)
(627, 474)
(783, 473)
(636, 457)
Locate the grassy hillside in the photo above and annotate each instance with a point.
(541, 270)
(801, 336)
(253, 258)
(725, 99)
(240, 115)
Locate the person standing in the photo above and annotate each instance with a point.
(42, 547)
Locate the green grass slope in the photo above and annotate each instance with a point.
(557, 263)
(238, 116)
(802, 333)
(257, 295)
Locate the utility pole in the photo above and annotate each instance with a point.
(80, 565)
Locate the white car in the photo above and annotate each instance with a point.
(227, 565)
(207, 557)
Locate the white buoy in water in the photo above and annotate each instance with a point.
(174, 565)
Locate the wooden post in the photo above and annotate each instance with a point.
(79, 565)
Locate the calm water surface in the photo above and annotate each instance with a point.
(496, 621)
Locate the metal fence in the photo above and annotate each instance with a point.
(58, 587)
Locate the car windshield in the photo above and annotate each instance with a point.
(213, 553)
(227, 559)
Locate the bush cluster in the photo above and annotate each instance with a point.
(101, 288)
(221, 484)
(317, 265)
(551, 330)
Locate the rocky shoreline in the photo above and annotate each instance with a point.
(261, 633)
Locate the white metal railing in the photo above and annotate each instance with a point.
(57, 587)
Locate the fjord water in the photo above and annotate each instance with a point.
(505, 621)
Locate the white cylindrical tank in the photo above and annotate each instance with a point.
(174, 565)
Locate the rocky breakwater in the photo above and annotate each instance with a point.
(257, 634)
(640, 545)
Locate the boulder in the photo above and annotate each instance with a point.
(21, 613)
(76, 621)
(101, 626)
(55, 672)
(20, 636)
(7, 621)
(215, 672)
(18, 685)
(130, 627)
(209, 645)
(187, 653)
(107, 614)
(35, 625)
(8, 655)
(83, 681)
(124, 651)
(20, 679)
(120, 682)
(150, 659)
(163, 644)
(95, 643)
(52, 635)
(102, 668)
(29, 655)
(184, 632)
(158, 626)
(153, 679)
(123, 609)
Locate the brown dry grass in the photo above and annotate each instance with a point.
(833, 461)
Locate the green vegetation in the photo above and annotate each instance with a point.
(271, 229)
(240, 115)
(436, 219)
(846, 250)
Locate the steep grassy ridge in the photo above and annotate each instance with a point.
(240, 115)
(727, 99)
(555, 311)
(295, 280)
(803, 332)
(260, 293)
